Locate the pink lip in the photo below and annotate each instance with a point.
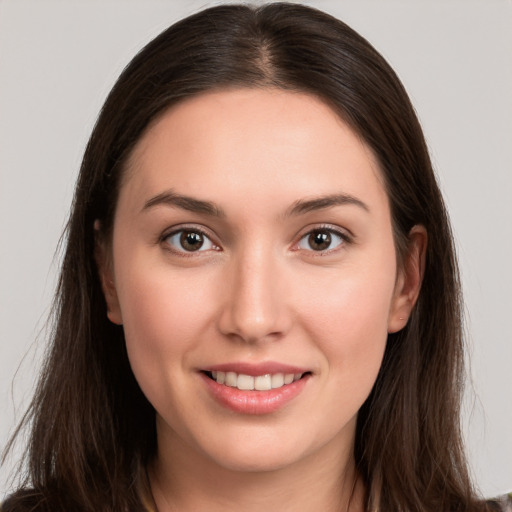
(254, 402)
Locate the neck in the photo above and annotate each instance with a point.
(186, 481)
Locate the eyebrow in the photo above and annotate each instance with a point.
(320, 203)
(191, 204)
(299, 207)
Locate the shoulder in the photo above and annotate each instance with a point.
(501, 504)
(21, 503)
(30, 500)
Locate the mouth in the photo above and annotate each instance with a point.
(244, 382)
(255, 388)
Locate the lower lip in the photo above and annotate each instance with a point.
(254, 402)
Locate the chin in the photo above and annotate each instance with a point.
(257, 462)
(260, 451)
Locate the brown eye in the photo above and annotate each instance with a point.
(321, 240)
(188, 240)
(191, 240)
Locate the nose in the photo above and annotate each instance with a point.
(255, 306)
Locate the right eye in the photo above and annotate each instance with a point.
(190, 240)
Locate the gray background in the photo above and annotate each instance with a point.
(58, 59)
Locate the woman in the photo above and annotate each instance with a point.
(259, 303)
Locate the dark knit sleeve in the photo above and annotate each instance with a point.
(501, 504)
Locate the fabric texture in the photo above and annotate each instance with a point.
(503, 503)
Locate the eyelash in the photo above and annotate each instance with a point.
(190, 230)
(343, 237)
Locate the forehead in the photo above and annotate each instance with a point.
(252, 141)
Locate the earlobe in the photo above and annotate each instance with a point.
(104, 265)
(410, 277)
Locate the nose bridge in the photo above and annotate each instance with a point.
(255, 308)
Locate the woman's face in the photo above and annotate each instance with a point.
(253, 248)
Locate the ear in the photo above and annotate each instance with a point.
(103, 257)
(409, 279)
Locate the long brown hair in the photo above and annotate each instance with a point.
(93, 431)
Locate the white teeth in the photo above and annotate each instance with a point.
(259, 383)
(245, 382)
(263, 382)
(231, 379)
(277, 380)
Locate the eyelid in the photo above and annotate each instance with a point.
(343, 233)
(174, 230)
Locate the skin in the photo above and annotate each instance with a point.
(256, 291)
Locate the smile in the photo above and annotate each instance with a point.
(252, 389)
(245, 382)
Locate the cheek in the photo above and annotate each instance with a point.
(164, 314)
(348, 316)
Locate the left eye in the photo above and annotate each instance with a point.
(189, 240)
(321, 240)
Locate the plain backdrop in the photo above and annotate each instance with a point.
(58, 60)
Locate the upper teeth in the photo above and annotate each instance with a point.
(260, 382)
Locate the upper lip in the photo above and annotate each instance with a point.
(255, 369)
